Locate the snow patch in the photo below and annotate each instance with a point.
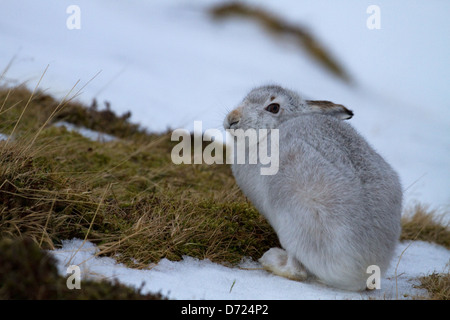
(87, 133)
(191, 278)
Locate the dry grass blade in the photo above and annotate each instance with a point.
(91, 224)
(61, 105)
(26, 105)
(4, 101)
(8, 66)
(279, 27)
(44, 232)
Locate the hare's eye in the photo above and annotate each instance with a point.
(273, 107)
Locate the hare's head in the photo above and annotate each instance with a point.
(269, 106)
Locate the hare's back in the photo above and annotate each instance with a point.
(336, 142)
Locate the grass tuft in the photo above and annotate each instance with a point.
(422, 223)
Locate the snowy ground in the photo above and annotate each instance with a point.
(170, 64)
(195, 279)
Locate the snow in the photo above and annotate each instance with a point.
(85, 132)
(202, 279)
(170, 64)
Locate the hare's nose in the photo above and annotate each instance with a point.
(232, 119)
(234, 123)
(230, 123)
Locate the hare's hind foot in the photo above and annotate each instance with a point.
(277, 261)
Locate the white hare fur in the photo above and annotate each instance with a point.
(335, 204)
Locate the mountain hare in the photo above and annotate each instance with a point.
(334, 203)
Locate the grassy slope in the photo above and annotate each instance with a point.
(126, 195)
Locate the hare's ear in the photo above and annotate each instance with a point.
(330, 108)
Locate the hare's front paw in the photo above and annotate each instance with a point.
(278, 261)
